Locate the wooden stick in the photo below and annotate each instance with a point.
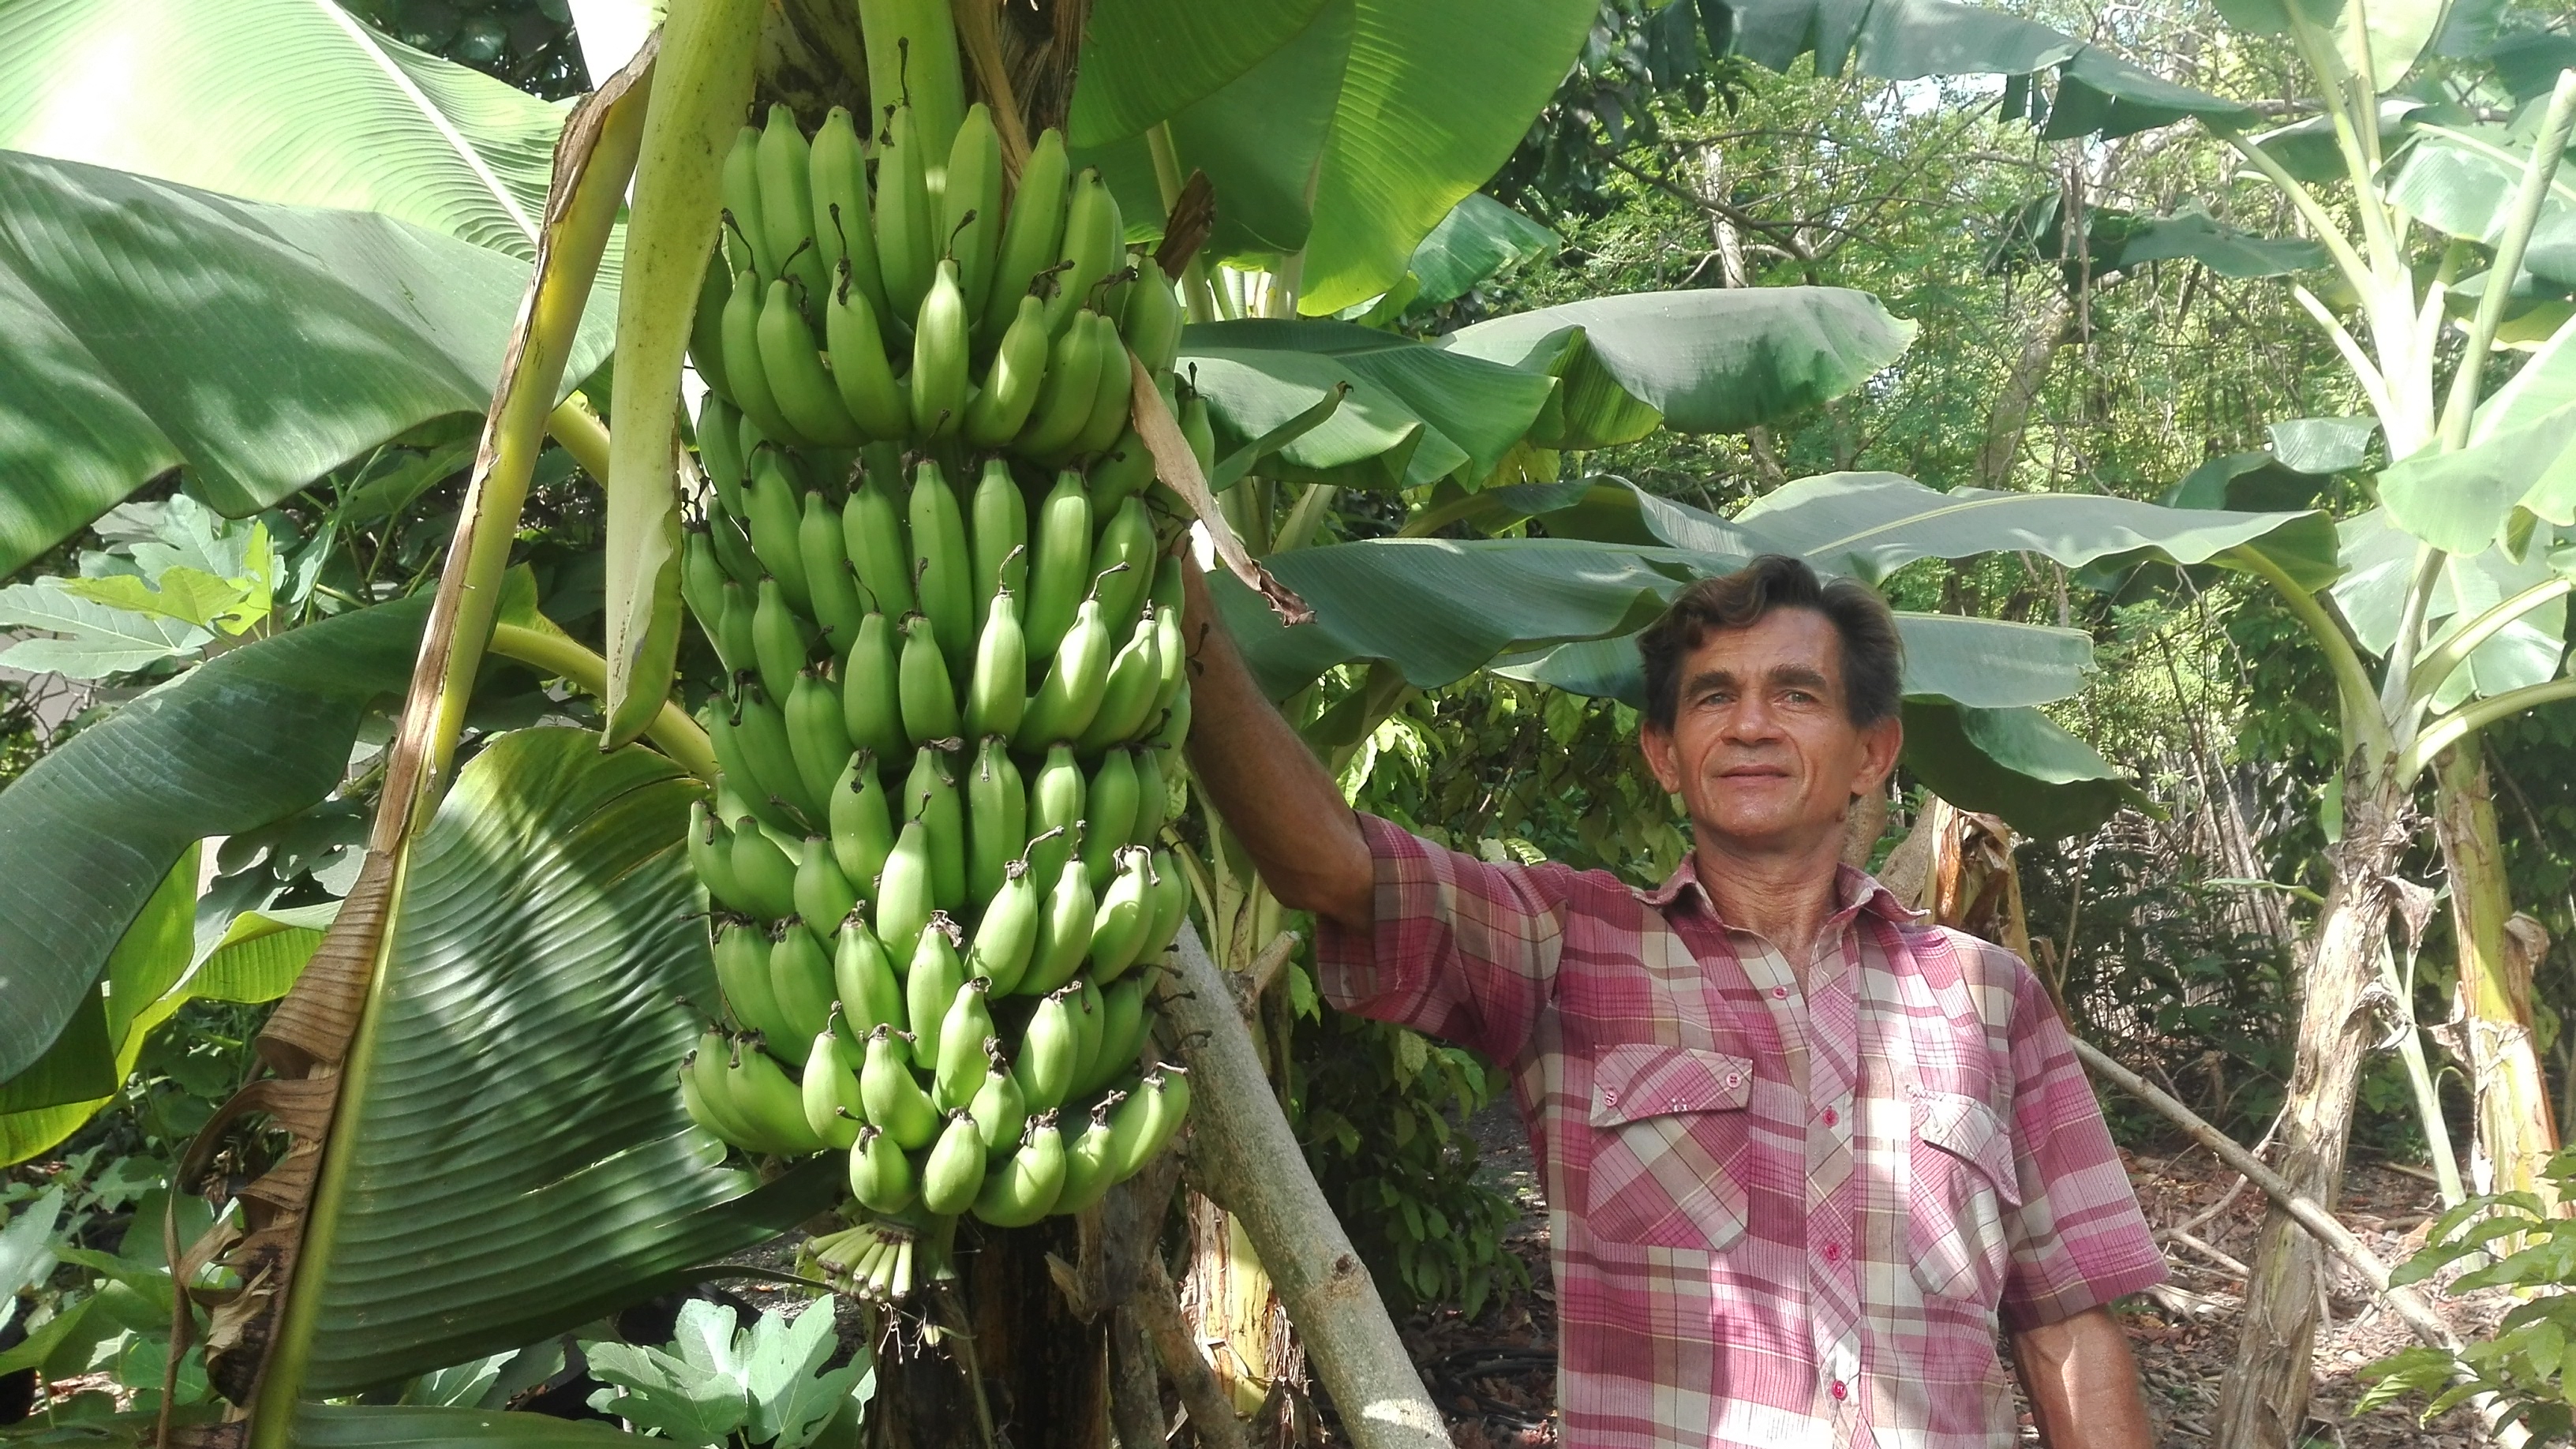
(1157, 1309)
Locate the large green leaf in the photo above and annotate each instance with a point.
(1712, 361)
(511, 1096)
(1144, 61)
(2016, 763)
(2380, 570)
(90, 832)
(1982, 663)
(145, 325)
(385, 1426)
(1479, 238)
(1444, 413)
(2461, 180)
(287, 101)
(2097, 92)
(1868, 524)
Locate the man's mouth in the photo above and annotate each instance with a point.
(1753, 772)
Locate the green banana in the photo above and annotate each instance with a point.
(1024, 1190)
(971, 207)
(1008, 933)
(1167, 904)
(1048, 1047)
(1113, 396)
(872, 531)
(1125, 471)
(1152, 798)
(824, 896)
(1061, 569)
(894, 1101)
(742, 971)
(733, 772)
(1176, 722)
(777, 640)
(740, 330)
(784, 164)
(1109, 813)
(997, 815)
(803, 390)
(1029, 238)
(766, 1099)
(706, 320)
(853, 332)
(1001, 536)
(829, 1094)
(1151, 323)
(1121, 282)
(764, 872)
(702, 582)
(963, 1030)
(903, 892)
(861, 821)
(1087, 1165)
(1198, 429)
(708, 1100)
(997, 693)
(1126, 539)
(930, 986)
(817, 737)
(1170, 655)
(760, 731)
(1089, 1020)
(881, 1177)
(955, 1171)
(1156, 1112)
(1127, 698)
(711, 856)
(907, 253)
(928, 700)
(996, 414)
(1066, 700)
(869, 694)
(1122, 1035)
(733, 549)
(694, 1102)
(943, 569)
(1000, 1110)
(1090, 248)
(739, 181)
(838, 609)
(800, 976)
(1119, 923)
(930, 795)
(1063, 406)
(939, 357)
(1166, 592)
(869, 994)
(1064, 932)
(840, 199)
(911, 48)
(774, 519)
(1056, 813)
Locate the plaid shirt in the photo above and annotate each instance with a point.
(1778, 1219)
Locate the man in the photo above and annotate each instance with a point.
(1801, 1151)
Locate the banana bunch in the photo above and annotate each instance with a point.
(951, 723)
(877, 289)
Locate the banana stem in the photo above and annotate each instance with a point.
(2536, 176)
(582, 434)
(672, 731)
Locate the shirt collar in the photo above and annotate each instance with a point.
(1855, 891)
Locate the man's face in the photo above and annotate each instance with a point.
(1762, 749)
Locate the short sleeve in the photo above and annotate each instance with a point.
(2078, 1240)
(1461, 948)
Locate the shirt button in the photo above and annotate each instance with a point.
(1732, 1079)
(1610, 1098)
(1841, 1392)
(1781, 992)
(1832, 1117)
(1833, 1252)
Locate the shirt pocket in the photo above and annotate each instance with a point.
(1670, 1135)
(1961, 1182)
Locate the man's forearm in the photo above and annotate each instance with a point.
(1278, 799)
(2082, 1383)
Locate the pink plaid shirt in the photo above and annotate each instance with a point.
(1778, 1220)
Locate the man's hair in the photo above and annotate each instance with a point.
(1873, 656)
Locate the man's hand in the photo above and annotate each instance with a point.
(1274, 794)
(2083, 1386)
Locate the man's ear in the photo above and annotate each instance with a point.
(1656, 743)
(1881, 743)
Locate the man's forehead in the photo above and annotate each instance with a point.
(1782, 638)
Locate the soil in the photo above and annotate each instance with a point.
(1495, 1377)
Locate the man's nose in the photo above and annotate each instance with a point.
(1751, 720)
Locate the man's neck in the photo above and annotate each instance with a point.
(1784, 896)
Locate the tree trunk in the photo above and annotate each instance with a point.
(1045, 1372)
(2050, 329)
(2515, 1132)
(2263, 1402)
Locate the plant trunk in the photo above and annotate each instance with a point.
(1045, 1372)
(2493, 1040)
(2263, 1402)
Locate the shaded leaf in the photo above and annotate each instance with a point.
(1478, 239)
(2322, 445)
(2016, 763)
(364, 1426)
(1146, 60)
(91, 639)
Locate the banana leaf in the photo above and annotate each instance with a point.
(1146, 60)
(374, 1426)
(511, 1157)
(1480, 238)
(91, 831)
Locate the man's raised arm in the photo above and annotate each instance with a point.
(1277, 797)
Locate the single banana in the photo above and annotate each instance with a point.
(1000, 1110)
(997, 693)
(1008, 934)
(903, 904)
(997, 817)
(1119, 923)
(1089, 1020)
(870, 995)
(1029, 238)
(930, 795)
(1064, 932)
(739, 792)
(1127, 699)
(997, 412)
(764, 1097)
(1065, 398)
(719, 434)
(706, 323)
(829, 1094)
(1198, 429)
(1070, 695)
(800, 976)
(1087, 1160)
(803, 390)
(1089, 250)
(1152, 799)
(1126, 545)
(817, 737)
(929, 701)
(742, 972)
(872, 531)
(760, 732)
(702, 582)
(943, 569)
(777, 640)
(824, 896)
(894, 1101)
(772, 502)
(709, 1101)
(912, 56)
(963, 1030)
(740, 183)
(1113, 399)
(1047, 1050)
(881, 1177)
(930, 985)
(711, 857)
(861, 821)
(1151, 323)
(1056, 813)
(1176, 722)
(869, 691)
(1167, 904)
(1123, 471)
(1159, 1107)
(1024, 1190)
(955, 1171)
(1122, 1035)
(1061, 570)
(784, 163)
(1170, 655)
(869, 392)
(732, 548)
(840, 199)
(834, 588)
(748, 377)
(907, 252)
(971, 208)
(1109, 813)
(1000, 518)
